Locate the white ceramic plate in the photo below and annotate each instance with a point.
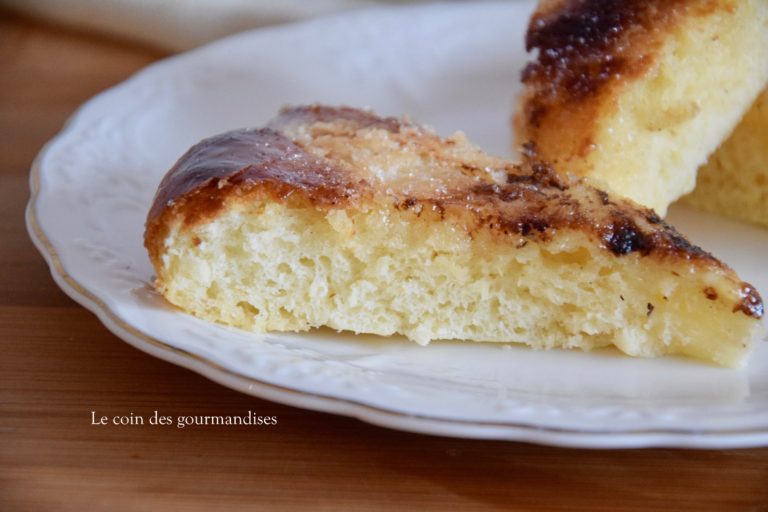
(453, 67)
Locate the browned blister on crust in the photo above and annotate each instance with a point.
(304, 158)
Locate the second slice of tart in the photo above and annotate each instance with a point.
(636, 94)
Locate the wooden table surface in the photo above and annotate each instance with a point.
(58, 363)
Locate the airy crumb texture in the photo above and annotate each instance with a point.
(636, 95)
(335, 217)
(735, 180)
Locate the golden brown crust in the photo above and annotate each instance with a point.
(587, 49)
(233, 163)
(312, 114)
(533, 203)
(584, 45)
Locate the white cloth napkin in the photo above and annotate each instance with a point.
(179, 24)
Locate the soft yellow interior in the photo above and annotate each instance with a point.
(269, 266)
(734, 181)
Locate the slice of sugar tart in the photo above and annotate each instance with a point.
(636, 94)
(336, 217)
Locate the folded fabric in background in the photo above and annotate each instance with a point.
(180, 24)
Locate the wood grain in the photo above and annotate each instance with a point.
(59, 363)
